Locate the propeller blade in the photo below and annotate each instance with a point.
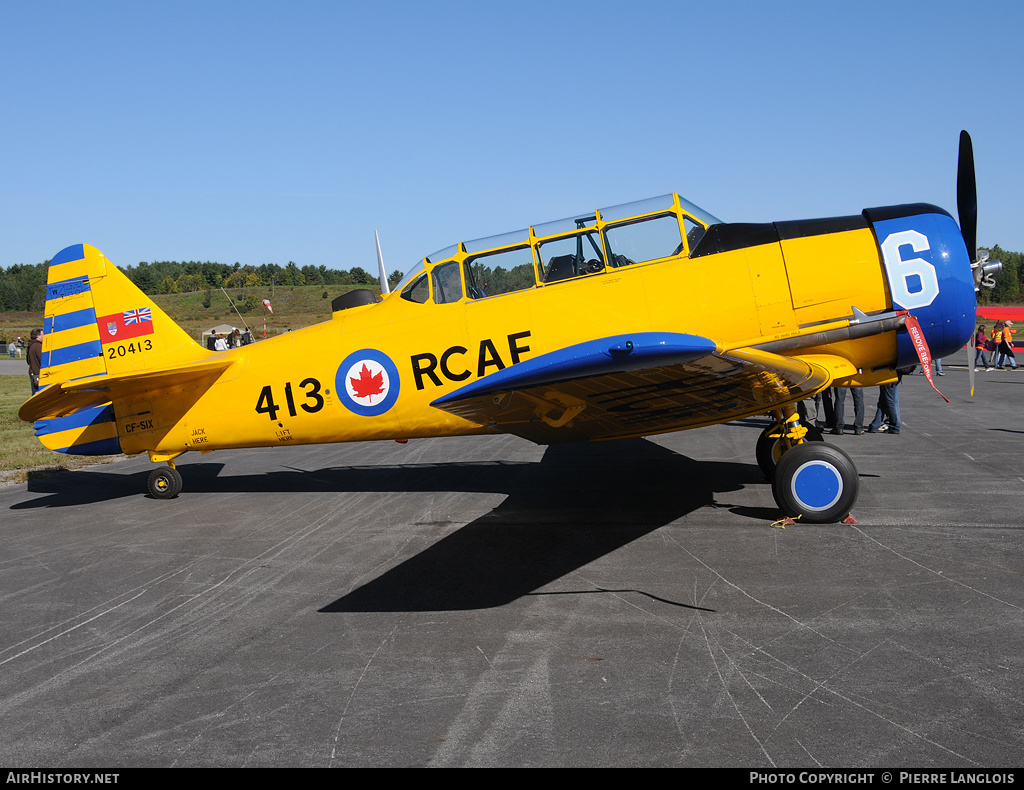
(967, 196)
(971, 354)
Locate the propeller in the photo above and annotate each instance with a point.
(967, 195)
(967, 209)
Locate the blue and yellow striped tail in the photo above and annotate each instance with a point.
(98, 326)
(71, 336)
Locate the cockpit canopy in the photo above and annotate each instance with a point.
(642, 232)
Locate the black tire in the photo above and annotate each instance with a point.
(177, 480)
(817, 482)
(164, 483)
(769, 450)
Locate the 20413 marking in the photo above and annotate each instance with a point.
(314, 401)
(123, 349)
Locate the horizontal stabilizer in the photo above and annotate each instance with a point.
(61, 400)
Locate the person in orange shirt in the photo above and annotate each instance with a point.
(997, 335)
(1006, 345)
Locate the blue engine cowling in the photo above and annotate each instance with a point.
(929, 272)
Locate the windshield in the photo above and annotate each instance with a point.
(697, 212)
(417, 269)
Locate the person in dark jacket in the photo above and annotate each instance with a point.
(35, 358)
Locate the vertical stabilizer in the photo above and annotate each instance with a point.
(97, 323)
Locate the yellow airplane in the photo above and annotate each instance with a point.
(627, 321)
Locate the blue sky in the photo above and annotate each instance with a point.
(267, 132)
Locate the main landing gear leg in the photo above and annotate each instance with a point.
(786, 433)
(811, 480)
(165, 481)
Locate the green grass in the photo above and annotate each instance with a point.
(294, 308)
(14, 325)
(20, 451)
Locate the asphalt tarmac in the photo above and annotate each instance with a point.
(488, 602)
(13, 367)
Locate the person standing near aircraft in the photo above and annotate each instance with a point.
(1006, 345)
(995, 337)
(840, 410)
(980, 341)
(35, 358)
(824, 409)
(888, 408)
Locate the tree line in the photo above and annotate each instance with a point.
(172, 277)
(23, 286)
(1009, 282)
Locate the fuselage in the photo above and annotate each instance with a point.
(372, 372)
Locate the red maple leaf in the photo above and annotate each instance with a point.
(367, 384)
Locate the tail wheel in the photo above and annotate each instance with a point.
(817, 482)
(769, 449)
(164, 483)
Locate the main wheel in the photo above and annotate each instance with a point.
(769, 450)
(817, 482)
(164, 482)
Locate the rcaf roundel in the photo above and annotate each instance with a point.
(367, 382)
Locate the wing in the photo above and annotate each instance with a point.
(633, 385)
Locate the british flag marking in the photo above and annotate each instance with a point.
(138, 316)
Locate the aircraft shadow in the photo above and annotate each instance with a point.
(578, 503)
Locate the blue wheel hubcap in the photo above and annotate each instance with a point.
(817, 485)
